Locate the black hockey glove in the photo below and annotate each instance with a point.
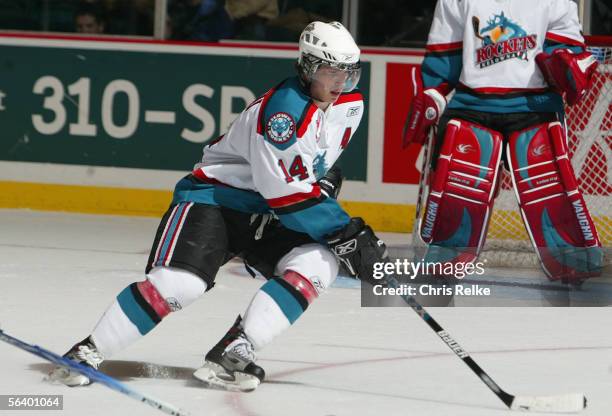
(358, 249)
(332, 182)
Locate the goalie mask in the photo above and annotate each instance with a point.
(329, 54)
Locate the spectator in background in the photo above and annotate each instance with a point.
(250, 17)
(212, 20)
(295, 14)
(203, 20)
(412, 26)
(601, 17)
(408, 25)
(130, 17)
(89, 18)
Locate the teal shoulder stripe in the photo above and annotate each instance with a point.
(283, 112)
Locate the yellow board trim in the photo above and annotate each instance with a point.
(84, 199)
(153, 203)
(383, 217)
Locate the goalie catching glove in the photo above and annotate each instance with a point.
(570, 74)
(358, 248)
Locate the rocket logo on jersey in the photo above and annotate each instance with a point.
(502, 39)
(319, 165)
(280, 127)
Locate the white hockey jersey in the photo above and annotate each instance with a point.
(272, 157)
(486, 50)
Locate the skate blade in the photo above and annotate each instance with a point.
(66, 377)
(215, 376)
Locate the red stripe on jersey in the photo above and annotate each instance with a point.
(199, 173)
(260, 120)
(563, 39)
(257, 101)
(305, 122)
(444, 47)
(215, 141)
(296, 198)
(349, 98)
(499, 90)
(345, 138)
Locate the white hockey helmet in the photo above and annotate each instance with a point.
(329, 44)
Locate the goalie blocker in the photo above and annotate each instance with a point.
(464, 184)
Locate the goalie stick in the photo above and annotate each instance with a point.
(565, 403)
(423, 182)
(93, 374)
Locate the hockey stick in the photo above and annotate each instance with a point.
(476, 27)
(93, 374)
(423, 183)
(565, 403)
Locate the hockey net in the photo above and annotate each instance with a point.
(589, 125)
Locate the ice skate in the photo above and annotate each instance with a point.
(230, 364)
(86, 353)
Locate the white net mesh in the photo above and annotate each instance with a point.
(590, 142)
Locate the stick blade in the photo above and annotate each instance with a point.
(565, 403)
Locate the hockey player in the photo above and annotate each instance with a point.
(275, 159)
(510, 64)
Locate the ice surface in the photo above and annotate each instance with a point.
(58, 272)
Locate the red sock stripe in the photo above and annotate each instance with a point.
(153, 298)
(302, 285)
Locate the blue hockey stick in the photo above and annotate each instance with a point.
(93, 375)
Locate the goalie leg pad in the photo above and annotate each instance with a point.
(461, 192)
(552, 207)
